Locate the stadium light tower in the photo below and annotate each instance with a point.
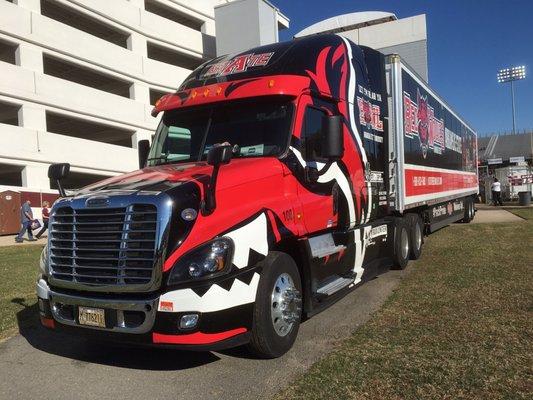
(510, 75)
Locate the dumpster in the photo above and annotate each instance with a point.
(524, 198)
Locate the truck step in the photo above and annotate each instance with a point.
(334, 285)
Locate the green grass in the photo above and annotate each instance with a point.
(19, 266)
(526, 213)
(459, 326)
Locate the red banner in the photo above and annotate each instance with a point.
(420, 182)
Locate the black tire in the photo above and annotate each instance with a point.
(469, 210)
(265, 342)
(416, 235)
(401, 244)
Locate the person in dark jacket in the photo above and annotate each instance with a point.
(46, 217)
(26, 219)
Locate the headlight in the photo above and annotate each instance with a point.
(43, 261)
(207, 261)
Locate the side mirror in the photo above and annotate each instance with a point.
(333, 146)
(58, 172)
(219, 155)
(143, 147)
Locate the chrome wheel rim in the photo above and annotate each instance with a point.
(285, 304)
(418, 236)
(404, 243)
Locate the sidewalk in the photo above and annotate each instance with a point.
(481, 206)
(9, 240)
(495, 214)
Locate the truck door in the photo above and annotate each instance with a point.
(317, 199)
(330, 265)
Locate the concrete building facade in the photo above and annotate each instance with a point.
(78, 78)
(509, 158)
(382, 31)
(243, 24)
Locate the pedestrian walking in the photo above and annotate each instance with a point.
(46, 217)
(26, 219)
(496, 192)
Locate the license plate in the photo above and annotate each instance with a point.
(91, 316)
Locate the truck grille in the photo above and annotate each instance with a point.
(111, 246)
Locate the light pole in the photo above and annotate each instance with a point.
(510, 75)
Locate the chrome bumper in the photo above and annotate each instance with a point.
(59, 300)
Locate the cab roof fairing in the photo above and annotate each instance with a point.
(277, 85)
(294, 59)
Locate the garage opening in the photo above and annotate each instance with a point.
(11, 175)
(75, 127)
(156, 95)
(9, 113)
(172, 14)
(173, 57)
(77, 180)
(8, 52)
(84, 76)
(71, 17)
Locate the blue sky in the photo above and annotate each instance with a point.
(468, 42)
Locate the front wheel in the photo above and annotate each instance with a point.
(278, 307)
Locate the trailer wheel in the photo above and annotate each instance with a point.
(401, 243)
(469, 210)
(278, 307)
(416, 235)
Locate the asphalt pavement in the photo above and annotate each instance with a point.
(39, 364)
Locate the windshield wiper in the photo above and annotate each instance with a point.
(163, 157)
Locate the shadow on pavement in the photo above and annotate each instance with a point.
(239, 352)
(86, 350)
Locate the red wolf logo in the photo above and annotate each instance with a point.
(367, 112)
(423, 122)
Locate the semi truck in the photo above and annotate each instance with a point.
(278, 180)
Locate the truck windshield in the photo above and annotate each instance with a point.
(254, 127)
